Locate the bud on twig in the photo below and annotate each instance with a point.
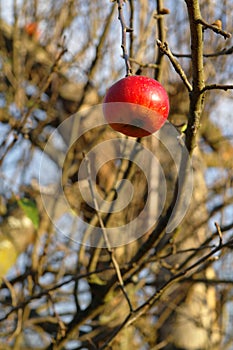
(164, 11)
(217, 23)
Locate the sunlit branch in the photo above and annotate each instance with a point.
(176, 65)
(213, 27)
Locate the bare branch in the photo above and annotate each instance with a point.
(222, 52)
(161, 36)
(219, 233)
(196, 99)
(165, 49)
(125, 29)
(142, 64)
(217, 87)
(213, 27)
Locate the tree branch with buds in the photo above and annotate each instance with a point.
(215, 27)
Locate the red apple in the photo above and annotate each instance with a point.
(32, 30)
(136, 106)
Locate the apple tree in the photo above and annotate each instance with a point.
(110, 241)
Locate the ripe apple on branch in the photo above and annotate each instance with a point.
(136, 106)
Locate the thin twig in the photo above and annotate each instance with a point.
(209, 281)
(217, 87)
(105, 236)
(165, 49)
(11, 290)
(132, 11)
(124, 29)
(62, 327)
(213, 27)
(143, 65)
(219, 233)
(11, 144)
(19, 326)
(222, 52)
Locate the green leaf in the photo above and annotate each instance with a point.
(30, 209)
(184, 127)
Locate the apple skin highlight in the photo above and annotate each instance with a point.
(136, 106)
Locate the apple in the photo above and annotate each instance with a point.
(32, 30)
(136, 106)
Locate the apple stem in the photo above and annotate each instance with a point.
(125, 29)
